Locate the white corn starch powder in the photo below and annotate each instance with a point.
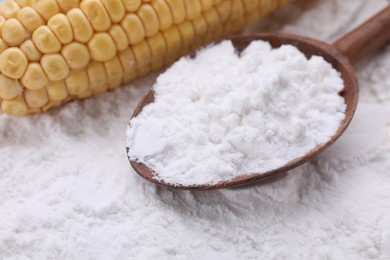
(224, 114)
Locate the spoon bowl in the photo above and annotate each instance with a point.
(349, 49)
(307, 46)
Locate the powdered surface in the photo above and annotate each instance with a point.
(225, 114)
(68, 192)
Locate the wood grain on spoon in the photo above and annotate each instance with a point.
(349, 49)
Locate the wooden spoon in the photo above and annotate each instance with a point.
(350, 49)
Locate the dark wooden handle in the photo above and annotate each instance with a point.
(367, 38)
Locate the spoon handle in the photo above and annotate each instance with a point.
(367, 38)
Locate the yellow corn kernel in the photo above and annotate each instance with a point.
(144, 70)
(200, 26)
(30, 51)
(13, 63)
(76, 55)
(9, 88)
(30, 19)
(224, 10)
(96, 14)
(2, 21)
(46, 8)
(114, 72)
(212, 19)
(237, 25)
(66, 5)
(142, 54)
(129, 65)
(102, 47)
(13, 32)
(55, 67)
(237, 10)
(51, 105)
(9, 9)
(173, 42)
(250, 5)
(77, 82)
(157, 65)
(56, 90)
(187, 33)
(82, 29)
(115, 9)
(193, 8)
(207, 4)
(163, 13)
(34, 78)
(131, 5)
(134, 29)
(36, 98)
(23, 3)
(45, 40)
(61, 28)
(86, 94)
(149, 19)
(97, 89)
(178, 10)
(251, 16)
(97, 76)
(119, 36)
(217, 1)
(15, 106)
(267, 4)
(157, 46)
(3, 46)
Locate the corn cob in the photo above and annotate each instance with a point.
(55, 51)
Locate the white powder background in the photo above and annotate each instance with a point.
(68, 192)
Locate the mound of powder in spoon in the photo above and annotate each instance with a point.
(225, 114)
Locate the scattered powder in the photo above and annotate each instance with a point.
(224, 114)
(67, 190)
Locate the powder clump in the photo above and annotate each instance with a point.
(223, 114)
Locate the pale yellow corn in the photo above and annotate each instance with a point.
(77, 82)
(76, 55)
(34, 78)
(23, 3)
(46, 8)
(97, 77)
(3, 46)
(96, 14)
(102, 47)
(13, 32)
(115, 9)
(149, 19)
(55, 66)
(9, 88)
(55, 51)
(134, 28)
(9, 9)
(82, 29)
(163, 13)
(45, 40)
(31, 52)
(36, 98)
(119, 36)
(13, 63)
(60, 26)
(131, 5)
(66, 5)
(57, 91)
(30, 19)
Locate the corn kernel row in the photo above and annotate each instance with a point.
(55, 51)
